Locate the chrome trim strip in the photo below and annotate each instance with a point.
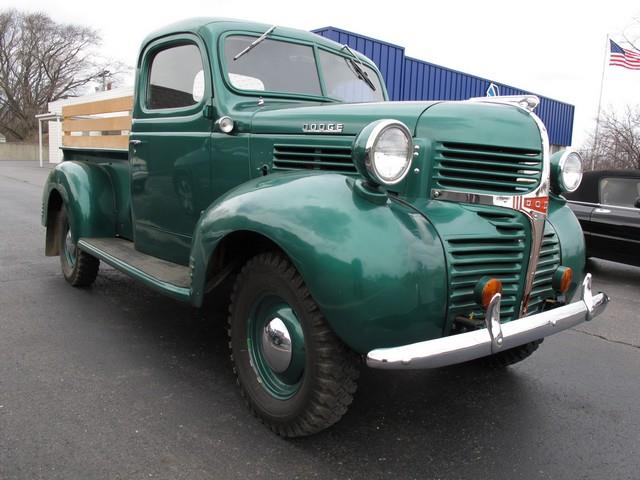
(604, 205)
(533, 205)
(480, 343)
(101, 149)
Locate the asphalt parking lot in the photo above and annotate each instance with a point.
(117, 381)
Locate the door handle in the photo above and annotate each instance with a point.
(601, 210)
(135, 142)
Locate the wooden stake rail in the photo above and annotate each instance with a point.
(99, 124)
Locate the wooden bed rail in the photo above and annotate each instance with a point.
(98, 124)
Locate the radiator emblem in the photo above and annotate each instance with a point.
(322, 127)
(536, 204)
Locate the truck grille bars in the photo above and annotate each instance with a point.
(311, 157)
(532, 201)
(487, 169)
(500, 256)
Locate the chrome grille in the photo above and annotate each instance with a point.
(486, 169)
(549, 261)
(500, 256)
(311, 157)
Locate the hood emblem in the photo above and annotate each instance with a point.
(535, 204)
(322, 127)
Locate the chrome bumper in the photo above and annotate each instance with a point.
(496, 337)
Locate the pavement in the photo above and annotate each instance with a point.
(118, 382)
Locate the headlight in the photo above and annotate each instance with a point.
(383, 152)
(571, 171)
(566, 173)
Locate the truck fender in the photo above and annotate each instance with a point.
(377, 272)
(87, 194)
(572, 247)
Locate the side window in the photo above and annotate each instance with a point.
(176, 78)
(622, 192)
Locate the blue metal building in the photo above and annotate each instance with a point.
(412, 79)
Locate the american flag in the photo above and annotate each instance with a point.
(622, 57)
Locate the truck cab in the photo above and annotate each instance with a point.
(265, 166)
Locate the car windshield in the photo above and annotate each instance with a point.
(342, 80)
(284, 67)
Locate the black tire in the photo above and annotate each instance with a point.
(511, 356)
(78, 267)
(328, 381)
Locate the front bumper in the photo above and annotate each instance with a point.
(493, 339)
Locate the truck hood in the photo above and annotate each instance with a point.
(289, 120)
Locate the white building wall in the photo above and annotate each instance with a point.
(55, 141)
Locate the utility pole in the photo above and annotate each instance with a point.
(104, 76)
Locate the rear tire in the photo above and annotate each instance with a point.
(78, 267)
(271, 312)
(511, 356)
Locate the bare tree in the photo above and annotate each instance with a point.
(618, 142)
(41, 61)
(631, 33)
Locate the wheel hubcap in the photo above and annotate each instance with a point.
(276, 346)
(70, 248)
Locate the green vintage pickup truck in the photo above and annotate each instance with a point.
(266, 166)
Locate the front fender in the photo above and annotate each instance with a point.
(572, 248)
(88, 196)
(377, 272)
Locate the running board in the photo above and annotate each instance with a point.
(166, 277)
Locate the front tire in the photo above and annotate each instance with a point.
(296, 376)
(79, 268)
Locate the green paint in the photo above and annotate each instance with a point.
(174, 157)
(88, 195)
(385, 271)
(371, 268)
(571, 239)
(281, 385)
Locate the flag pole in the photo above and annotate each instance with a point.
(604, 68)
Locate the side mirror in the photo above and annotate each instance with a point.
(637, 203)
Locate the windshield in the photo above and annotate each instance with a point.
(284, 67)
(342, 82)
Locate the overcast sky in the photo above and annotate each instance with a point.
(553, 48)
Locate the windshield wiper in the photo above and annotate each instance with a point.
(359, 69)
(255, 43)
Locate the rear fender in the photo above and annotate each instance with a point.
(87, 195)
(377, 272)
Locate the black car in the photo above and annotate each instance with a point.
(607, 204)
